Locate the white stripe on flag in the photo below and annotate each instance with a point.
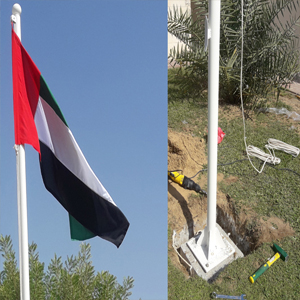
(59, 138)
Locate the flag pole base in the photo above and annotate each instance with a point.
(210, 252)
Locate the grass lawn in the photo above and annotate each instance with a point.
(274, 192)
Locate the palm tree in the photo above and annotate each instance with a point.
(270, 48)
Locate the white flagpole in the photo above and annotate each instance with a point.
(21, 188)
(212, 249)
(213, 108)
(211, 240)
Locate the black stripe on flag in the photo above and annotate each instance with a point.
(91, 210)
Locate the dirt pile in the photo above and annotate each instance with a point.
(187, 210)
(187, 154)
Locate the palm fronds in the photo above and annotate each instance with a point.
(271, 49)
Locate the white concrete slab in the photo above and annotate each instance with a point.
(211, 272)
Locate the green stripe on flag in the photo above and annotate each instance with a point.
(78, 231)
(46, 94)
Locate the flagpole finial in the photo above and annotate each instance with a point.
(16, 9)
(16, 18)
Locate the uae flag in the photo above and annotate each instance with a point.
(66, 174)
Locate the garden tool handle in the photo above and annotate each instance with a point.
(263, 268)
(215, 295)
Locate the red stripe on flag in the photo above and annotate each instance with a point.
(26, 87)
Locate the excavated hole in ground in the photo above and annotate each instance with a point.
(248, 233)
(247, 230)
(187, 212)
(244, 237)
(244, 227)
(243, 234)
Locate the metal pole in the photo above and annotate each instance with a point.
(212, 248)
(21, 190)
(213, 108)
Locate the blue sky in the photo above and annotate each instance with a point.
(106, 64)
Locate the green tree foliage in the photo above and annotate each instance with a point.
(107, 287)
(270, 48)
(9, 278)
(75, 279)
(36, 275)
